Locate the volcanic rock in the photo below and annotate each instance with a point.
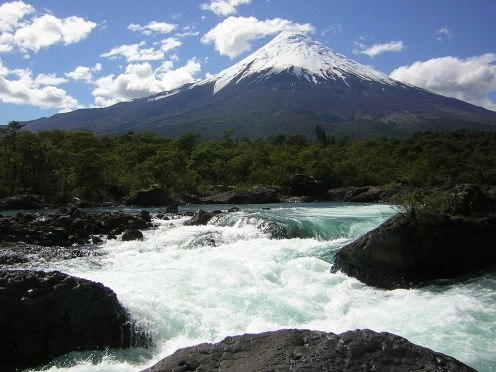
(411, 249)
(304, 350)
(45, 315)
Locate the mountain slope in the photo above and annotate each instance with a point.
(288, 86)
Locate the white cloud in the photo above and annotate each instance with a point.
(471, 79)
(169, 44)
(35, 33)
(444, 33)
(138, 52)
(84, 73)
(12, 13)
(153, 27)
(48, 30)
(234, 35)
(375, 50)
(135, 53)
(49, 79)
(224, 7)
(18, 87)
(140, 80)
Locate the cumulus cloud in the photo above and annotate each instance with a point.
(153, 28)
(84, 73)
(48, 30)
(12, 13)
(375, 50)
(224, 7)
(444, 33)
(30, 34)
(49, 79)
(134, 53)
(234, 35)
(138, 52)
(471, 79)
(140, 80)
(18, 87)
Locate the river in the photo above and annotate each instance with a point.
(192, 284)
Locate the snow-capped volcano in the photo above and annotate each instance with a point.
(286, 87)
(299, 55)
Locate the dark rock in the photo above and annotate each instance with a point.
(301, 185)
(472, 200)
(201, 218)
(233, 209)
(172, 208)
(145, 216)
(45, 315)
(69, 226)
(304, 350)
(152, 197)
(365, 194)
(255, 195)
(300, 199)
(132, 234)
(26, 201)
(412, 249)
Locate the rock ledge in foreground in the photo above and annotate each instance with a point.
(46, 315)
(304, 350)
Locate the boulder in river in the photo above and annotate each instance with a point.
(155, 196)
(25, 201)
(411, 249)
(46, 315)
(255, 195)
(201, 217)
(304, 350)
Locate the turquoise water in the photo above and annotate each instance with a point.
(192, 284)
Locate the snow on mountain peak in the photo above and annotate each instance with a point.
(300, 55)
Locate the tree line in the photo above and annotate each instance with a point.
(60, 165)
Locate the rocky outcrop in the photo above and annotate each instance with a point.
(45, 315)
(68, 226)
(201, 217)
(26, 201)
(303, 185)
(255, 195)
(367, 194)
(304, 350)
(412, 249)
(155, 196)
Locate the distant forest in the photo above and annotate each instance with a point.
(59, 165)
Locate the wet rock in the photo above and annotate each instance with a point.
(473, 200)
(201, 217)
(304, 350)
(25, 201)
(69, 226)
(412, 249)
(145, 216)
(300, 199)
(132, 234)
(233, 209)
(153, 197)
(301, 185)
(255, 195)
(172, 208)
(45, 315)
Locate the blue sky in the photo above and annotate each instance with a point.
(59, 55)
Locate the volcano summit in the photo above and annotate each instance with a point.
(286, 87)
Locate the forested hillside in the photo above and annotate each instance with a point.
(59, 165)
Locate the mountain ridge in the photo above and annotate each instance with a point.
(286, 87)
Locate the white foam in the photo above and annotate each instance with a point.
(246, 282)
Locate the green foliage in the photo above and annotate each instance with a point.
(61, 165)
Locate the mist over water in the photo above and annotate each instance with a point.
(192, 284)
